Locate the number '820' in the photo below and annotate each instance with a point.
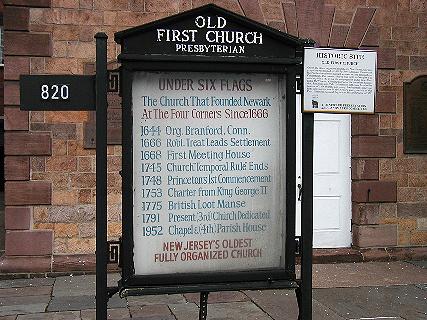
(55, 91)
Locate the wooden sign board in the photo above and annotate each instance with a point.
(208, 165)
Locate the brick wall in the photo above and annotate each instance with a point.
(398, 216)
(24, 245)
(50, 188)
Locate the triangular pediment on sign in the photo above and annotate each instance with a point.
(208, 31)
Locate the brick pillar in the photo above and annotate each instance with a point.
(368, 191)
(26, 250)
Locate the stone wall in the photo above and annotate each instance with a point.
(50, 188)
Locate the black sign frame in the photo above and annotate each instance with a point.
(134, 58)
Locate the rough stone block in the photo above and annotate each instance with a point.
(289, 11)
(16, 168)
(374, 191)
(65, 263)
(373, 147)
(364, 124)
(15, 66)
(375, 254)
(418, 209)
(414, 253)
(309, 15)
(338, 35)
(11, 264)
(29, 243)
(374, 236)
(16, 18)
(402, 62)
(19, 193)
(364, 169)
(17, 218)
(11, 93)
(365, 213)
(327, 18)
(61, 164)
(372, 37)
(418, 63)
(279, 25)
(386, 58)
(15, 119)
(361, 21)
(25, 143)
(252, 10)
(27, 44)
(83, 180)
(385, 101)
(29, 3)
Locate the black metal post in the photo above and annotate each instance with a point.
(307, 218)
(101, 176)
(290, 168)
(203, 308)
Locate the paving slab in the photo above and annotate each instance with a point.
(22, 309)
(236, 311)
(218, 297)
(155, 299)
(380, 318)
(367, 274)
(21, 305)
(74, 286)
(150, 311)
(112, 314)
(185, 311)
(170, 317)
(282, 305)
(419, 263)
(26, 291)
(8, 317)
(17, 283)
(12, 300)
(408, 302)
(276, 302)
(68, 315)
(322, 312)
(63, 303)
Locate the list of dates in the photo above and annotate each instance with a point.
(207, 172)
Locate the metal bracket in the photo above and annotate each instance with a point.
(113, 81)
(203, 309)
(114, 251)
(111, 291)
(298, 245)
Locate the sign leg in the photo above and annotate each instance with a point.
(203, 311)
(307, 218)
(101, 176)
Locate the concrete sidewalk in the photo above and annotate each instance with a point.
(377, 290)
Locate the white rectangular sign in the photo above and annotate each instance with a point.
(208, 171)
(339, 80)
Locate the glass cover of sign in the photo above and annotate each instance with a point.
(208, 163)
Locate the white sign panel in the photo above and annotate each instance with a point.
(339, 80)
(207, 170)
